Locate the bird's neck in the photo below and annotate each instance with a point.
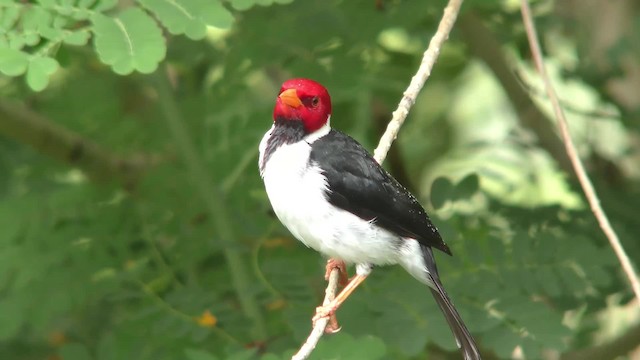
(286, 132)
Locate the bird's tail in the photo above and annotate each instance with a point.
(465, 341)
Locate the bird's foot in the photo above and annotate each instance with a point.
(328, 311)
(342, 268)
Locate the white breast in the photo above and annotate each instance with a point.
(296, 191)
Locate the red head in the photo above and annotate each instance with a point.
(305, 100)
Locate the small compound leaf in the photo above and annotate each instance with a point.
(39, 71)
(35, 19)
(13, 62)
(214, 14)
(242, 4)
(441, 191)
(178, 17)
(8, 17)
(130, 42)
(104, 5)
(189, 17)
(77, 38)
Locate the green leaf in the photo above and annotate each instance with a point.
(13, 62)
(214, 14)
(34, 21)
(242, 4)
(39, 71)
(190, 17)
(130, 42)
(77, 38)
(467, 187)
(8, 17)
(441, 192)
(75, 351)
(104, 5)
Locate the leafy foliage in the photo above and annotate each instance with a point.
(136, 265)
(130, 41)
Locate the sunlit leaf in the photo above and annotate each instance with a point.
(190, 17)
(39, 71)
(441, 192)
(132, 41)
(13, 62)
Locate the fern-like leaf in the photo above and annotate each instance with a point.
(132, 41)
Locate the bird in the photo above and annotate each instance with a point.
(334, 197)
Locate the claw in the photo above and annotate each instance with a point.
(342, 268)
(327, 312)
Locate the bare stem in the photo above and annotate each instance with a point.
(418, 80)
(318, 330)
(390, 134)
(578, 167)
(22, 124)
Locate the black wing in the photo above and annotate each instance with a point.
(358, 184)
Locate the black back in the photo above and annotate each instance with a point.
(358, 184)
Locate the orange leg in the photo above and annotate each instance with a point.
(329, 310)
(333, 326)
(342, 268)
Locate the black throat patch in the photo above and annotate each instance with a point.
(284, 132)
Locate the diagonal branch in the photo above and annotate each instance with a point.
(46, 137)
(418, 80)
(318, 330)
(408, 99)
(583, 178)
(482, 44)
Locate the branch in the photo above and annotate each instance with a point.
(418, 80)
(409, 98)
(48, 138)
(318, 330)
(483, 45)
(583, 178)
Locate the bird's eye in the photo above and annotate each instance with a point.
(315, 101)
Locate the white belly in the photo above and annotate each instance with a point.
(296, 192)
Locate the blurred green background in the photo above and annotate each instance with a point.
(134, 224)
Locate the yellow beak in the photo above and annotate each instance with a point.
(290, 97)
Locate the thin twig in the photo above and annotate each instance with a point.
(47, 137)
(583, 178)
(321, 324)
(390, 134)
(418, 80)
